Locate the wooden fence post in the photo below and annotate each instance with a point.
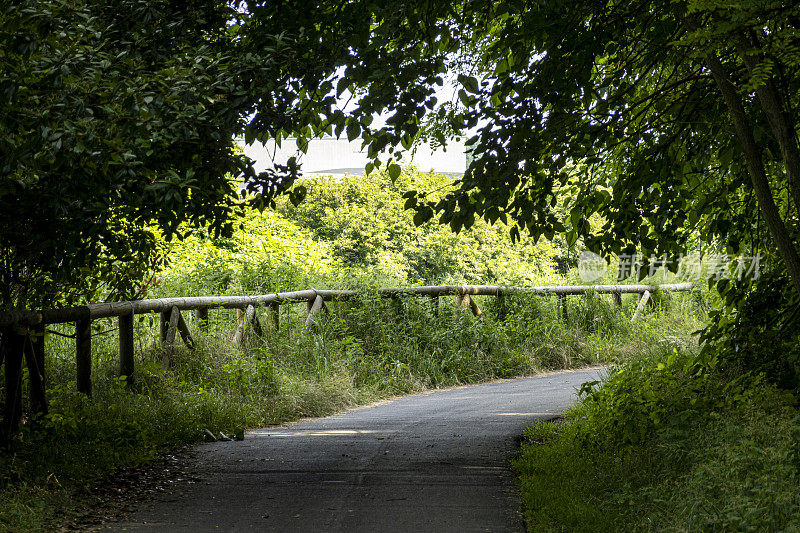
(126, 365)
(249, 318)
(13, 346)
(465, 300)
(473, 305)
(651, 302)
(274, 309)
(169, 338)
(617, 298)
(183, 329)
(34, 357)
(37, 347)
(313, 308)
(164, 322)
(502, 306)
(201, 315)
(460, 299)
(640, 306)
(83, 355)
(257, 329)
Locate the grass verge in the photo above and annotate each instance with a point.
(667, 445)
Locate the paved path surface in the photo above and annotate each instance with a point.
(428, 462)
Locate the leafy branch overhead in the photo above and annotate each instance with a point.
(668, 121)
(623, 108)
(118, 120)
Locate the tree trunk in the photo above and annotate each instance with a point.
(780, 122)
(755, 167)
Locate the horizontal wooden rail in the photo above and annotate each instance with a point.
(116, 309)
(9, 317)
(173, 323)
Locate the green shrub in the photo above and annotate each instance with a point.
(668, 443)
(375, 239)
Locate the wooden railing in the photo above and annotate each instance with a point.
(173, 324)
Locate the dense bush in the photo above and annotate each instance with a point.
(369, 231)
(757, 329)
(668, 443)
(266, 254)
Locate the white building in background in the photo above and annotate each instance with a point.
(332, 156)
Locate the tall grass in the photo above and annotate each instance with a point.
(668, 444)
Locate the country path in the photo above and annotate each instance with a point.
(437, 461)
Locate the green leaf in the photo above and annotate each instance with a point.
(297, 195)
(353, 130)
(469, 83)
(342, 86)
(394, 171)
(571, 237)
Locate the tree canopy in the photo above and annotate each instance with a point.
(670, 120)
(118, 120)
(112, 114)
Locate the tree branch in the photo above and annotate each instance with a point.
(755, 167)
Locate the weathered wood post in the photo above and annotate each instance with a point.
(640, 306)
(83, 355)
(460, 299)
(12, 346)
(502, 306)
(274, 313)
(37, 348)
(126, 365)
(473, 305)
(201, 315)
(465, 300)
(617, 296)
(34, 357)
(238, 334)
(244, 325)
(313, 308)
(651, 302)
(257, 329)
(164, 322)
(169, 337)
(183, 329)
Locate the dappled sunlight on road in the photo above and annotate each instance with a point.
(525, 414)
(316, 433)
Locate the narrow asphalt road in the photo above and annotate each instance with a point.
(429, 462)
